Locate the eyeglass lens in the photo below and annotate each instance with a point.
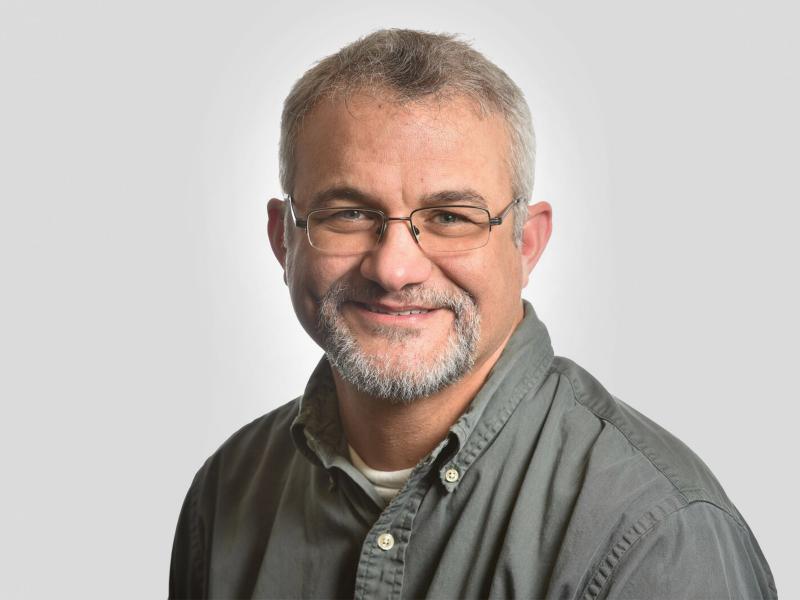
(438, 229)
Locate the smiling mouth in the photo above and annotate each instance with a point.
(395, 313)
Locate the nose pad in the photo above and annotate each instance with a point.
(381, 231)
(414, 231)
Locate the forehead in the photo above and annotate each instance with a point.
(402, 150)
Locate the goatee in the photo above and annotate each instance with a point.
(398, 374)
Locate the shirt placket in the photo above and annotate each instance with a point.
(382, 562)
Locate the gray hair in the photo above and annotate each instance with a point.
(415, 65)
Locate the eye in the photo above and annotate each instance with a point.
(447, 218)
(349, 215)
(453, 216)
(344, 220)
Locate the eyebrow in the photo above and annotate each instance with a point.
(437, 198)
(454, 196)
(341, 193)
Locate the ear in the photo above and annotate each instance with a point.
(535, 234)
(276, 232)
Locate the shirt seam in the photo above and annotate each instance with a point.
(195, 539)
(612, 560)
(363, 578)
(483, 435)
(681, 490)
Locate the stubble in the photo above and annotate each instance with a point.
(398, 373)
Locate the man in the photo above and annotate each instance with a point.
(440, 449)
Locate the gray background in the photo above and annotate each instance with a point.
(144, 318)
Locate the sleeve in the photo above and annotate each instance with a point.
(187, 572)
(699, 551)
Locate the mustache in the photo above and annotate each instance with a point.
(342, 291)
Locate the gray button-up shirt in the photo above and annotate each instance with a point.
(546, 487)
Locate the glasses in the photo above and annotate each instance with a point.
(353, 230)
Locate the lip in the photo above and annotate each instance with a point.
(388, 313)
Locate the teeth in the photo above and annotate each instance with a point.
(401, 313)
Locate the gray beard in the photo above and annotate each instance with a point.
(391, 375)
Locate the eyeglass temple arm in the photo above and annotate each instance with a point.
(498, 220)
(298, 222)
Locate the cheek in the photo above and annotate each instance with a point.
(311, 274)
(493, 279)
(489, 276)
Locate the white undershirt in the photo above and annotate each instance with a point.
(386, 483)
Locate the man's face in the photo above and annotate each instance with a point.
(374, 153)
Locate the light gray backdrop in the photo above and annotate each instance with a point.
(144, 318)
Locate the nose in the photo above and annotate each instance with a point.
(397, 260)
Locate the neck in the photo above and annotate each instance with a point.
(391, 436)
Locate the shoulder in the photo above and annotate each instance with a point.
(693, 551)
(664, 526)
(251, 449)
(232, 490)
(663, 453)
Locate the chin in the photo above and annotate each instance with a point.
(392, 367)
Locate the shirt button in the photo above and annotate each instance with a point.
(451, 476)
(385, 541)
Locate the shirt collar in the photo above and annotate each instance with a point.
(521, 368)
(518, 373)
(317, 430)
